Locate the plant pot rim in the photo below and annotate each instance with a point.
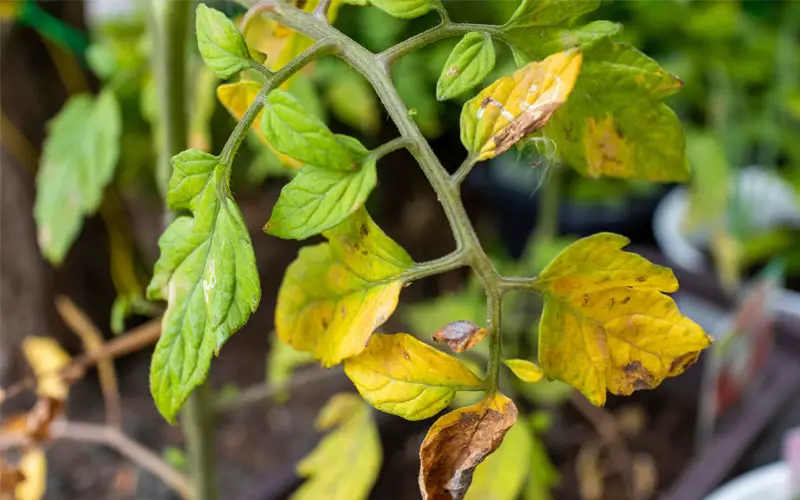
(770, 481)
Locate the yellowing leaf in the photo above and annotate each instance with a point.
(47, 358)
(515, 106)
(458, 442)
(345, 464)
(32, 465)
(335, 294)
(399, 374)
(606, 324)
(503, 474)
(460, 335)
(524, 370)
(237, 97)
(282, 361)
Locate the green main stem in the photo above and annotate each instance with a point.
(375, 68)
(170, 20)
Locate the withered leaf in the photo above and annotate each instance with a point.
(458, 442)
(460, 335)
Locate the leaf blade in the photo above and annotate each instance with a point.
(222, 46)
(524, 370)
(471, 60)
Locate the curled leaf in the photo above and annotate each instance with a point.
(461, 335)
(399, 374)
(335, 294)
(502, 475)
(458, 442)
(524, 370)
(606, 324)
(515, 106)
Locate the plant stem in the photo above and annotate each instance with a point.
(463, 171)
(494, 303)
(171, 22)
(375, 68)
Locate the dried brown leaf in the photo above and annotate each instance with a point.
(460, 335)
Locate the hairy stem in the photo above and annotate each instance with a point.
(171, 30)
(375, 68)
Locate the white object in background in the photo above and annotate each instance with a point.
(98, 11)
(770, 482)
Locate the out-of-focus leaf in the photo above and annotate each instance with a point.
(79, 158)
(33, 466)
(335, 294)
(412, 85)
(282, 362)
(400, 375)
(708, 198)
(469, 63)
(345, 464)
(458, 442)
(353, 102)
(47, 358)
(606, 324)
(543, 474)
(502, 475)
(517, 105)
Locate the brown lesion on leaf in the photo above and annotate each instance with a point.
(626, 300)
(681, 363)
(637, 377)
(606, 149)
(532, 119)
(460, 335)
(363, 230)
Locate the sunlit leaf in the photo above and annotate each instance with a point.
(524, 370)
(345, 464)
(78, 161)
(47, 358)
(518, 105)
(404, 9)
(318, 199)
(222, 46)
(458, 442)
(502, 475)
(335, 294)
(207, 274)
(607, 325)
(33, 466)
(460, 335)
(549, 12)
(400, 375)
(469, 63)
(294, 132)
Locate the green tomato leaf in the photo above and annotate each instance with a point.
(79, 158)
(294, 132)
(550, 12)
(318, 199)
(222, 46)
(533, 44)
(207, 274)
(469, 63)
(404, 9)
(353, 101)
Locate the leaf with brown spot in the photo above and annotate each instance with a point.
(400, 375)
(461, 335)
(458, 442)
(607, 326)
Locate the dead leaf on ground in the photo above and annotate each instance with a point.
(458, 442)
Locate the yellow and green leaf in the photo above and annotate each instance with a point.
(335, 294)
(524, 370)
(607, 326)
(400, 375)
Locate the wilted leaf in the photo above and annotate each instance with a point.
(47, 358)
(335, 294)
(282, 361)
(294, 132)
(404, 9)
(237, 97)
(318, 199)
(345, 464)
(33, 466)
(33, 427)
(502, 475)
(606, 323)
(549, 12)
(399, 374)
(615, 123)
(524, 370)
(207, 274)
(79, 158)
(518, 105)
(460, 335)
(222, 46)
(458, 442)
(469, 63)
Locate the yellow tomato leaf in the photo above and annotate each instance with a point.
(524, 370)
(237, 97)
(606, 324)
(47, 358)
(503, 474)
(461, 335)
(458, 442)
(400, 375)
(335, 294)
(32, 465)
(345, 464)
(515, 106)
